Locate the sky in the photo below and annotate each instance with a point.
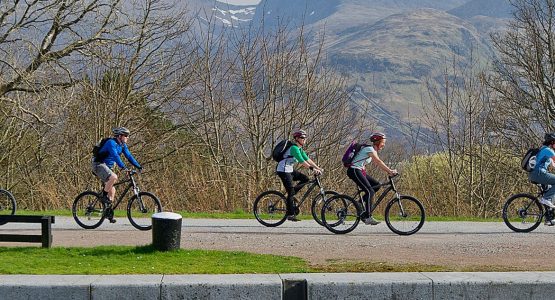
(241, 2)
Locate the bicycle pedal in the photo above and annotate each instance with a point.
(112, 221)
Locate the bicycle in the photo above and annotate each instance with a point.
(7, 204)
(404, 215)
(270, 207)
(89, 211)
(524, 212)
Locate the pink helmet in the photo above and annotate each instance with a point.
(299, 133)
(377, 136)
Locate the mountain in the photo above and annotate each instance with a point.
(490, 8)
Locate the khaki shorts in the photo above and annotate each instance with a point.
(101, 171)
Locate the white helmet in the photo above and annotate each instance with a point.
(120, 130)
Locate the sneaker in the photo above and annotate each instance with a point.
(371, 221)
(293, 218)
(547, 202)
(549, 222)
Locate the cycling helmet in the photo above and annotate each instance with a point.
(299, 133)
(377, 136)
(549, 138)
(120, 130)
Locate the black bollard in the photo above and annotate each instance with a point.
(166, 231)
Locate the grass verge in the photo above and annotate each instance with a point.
(141, 260)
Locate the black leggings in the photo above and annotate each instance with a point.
(287, 179)
(365, 183)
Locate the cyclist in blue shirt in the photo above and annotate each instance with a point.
(109, 155)
(540, 174)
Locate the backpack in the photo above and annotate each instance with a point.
(528, 162)
(351, 152)
(96, 150)
(280, 149)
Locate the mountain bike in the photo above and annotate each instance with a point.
(270, 207)
(89, 211)
(7, 204)
(404, 215)
(524, 212)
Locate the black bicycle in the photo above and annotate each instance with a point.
(270, 207)
(89, 211)
(524, 212)
(7, 204)
(404, 214)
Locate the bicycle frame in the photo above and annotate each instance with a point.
(391, 187)
(313, 183)
(132, 184)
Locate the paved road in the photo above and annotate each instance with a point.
(455, 244)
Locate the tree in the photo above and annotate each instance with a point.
(524, 73)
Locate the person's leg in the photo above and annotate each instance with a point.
(362, 182)
(109, 186)
(301, 178)
(549, 179)
(287, 180)
(373, 183)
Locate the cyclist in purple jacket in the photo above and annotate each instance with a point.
(108, 155)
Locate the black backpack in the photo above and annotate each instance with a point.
(280, 149)
(528, 162)
(96, 150)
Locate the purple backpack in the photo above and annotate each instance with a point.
(351, 152)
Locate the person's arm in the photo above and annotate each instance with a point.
(376, 160)
(112, 151)
(130, 157)
(310, 162)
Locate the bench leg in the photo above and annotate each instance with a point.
(46, 228)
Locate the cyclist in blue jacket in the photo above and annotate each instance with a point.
(108, 155)
(540, 174)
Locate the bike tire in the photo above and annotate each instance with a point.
(522, 205)
(318, 203)
(88, 210)
(405, 216)
(274, 212)
(142, 219)
(340, 214)
(8, 205)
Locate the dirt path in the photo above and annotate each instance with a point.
(448, 244)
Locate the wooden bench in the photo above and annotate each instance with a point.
(46, 229)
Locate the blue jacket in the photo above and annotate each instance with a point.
(114, 151)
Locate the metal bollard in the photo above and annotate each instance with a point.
(166, 231)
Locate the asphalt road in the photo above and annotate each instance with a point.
(455, 244)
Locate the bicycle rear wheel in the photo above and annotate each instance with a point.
(340, 214)
(7, 204)
(318, 203)
(404, 216)
(140, 210)
(88, 210)
(522, 213)
(270, 208)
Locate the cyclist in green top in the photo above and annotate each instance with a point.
(285, 171)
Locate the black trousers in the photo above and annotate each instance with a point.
(365, 183)
(287, 179)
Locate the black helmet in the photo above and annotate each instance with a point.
(549, 138)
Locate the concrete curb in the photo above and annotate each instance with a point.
(456, 285)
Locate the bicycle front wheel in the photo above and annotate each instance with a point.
(270, 208)
(7, 204)
(318, 203)
(522, 213)
(340, 214)
(88, 210)
(140, 210)
(404, 216)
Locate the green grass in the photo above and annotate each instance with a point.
(141, 260)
